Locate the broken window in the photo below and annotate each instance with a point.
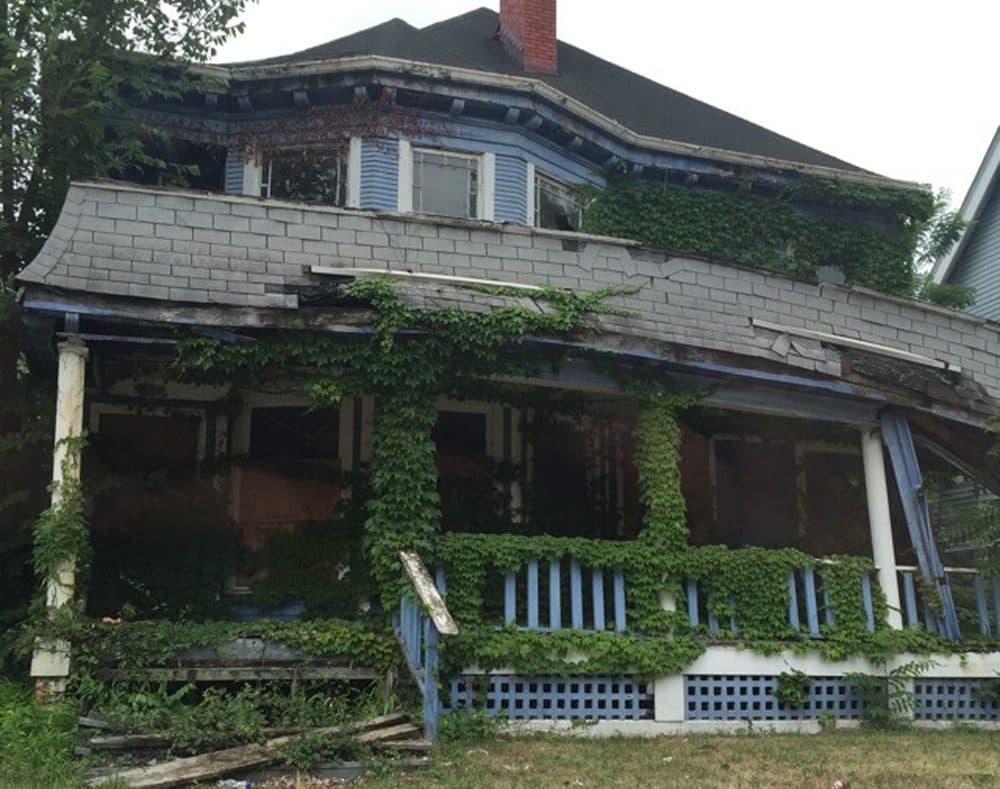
(307, 174)
(445, 183)
(556, 205)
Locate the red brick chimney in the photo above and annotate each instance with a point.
(528, 31)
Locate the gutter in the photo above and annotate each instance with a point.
(542, 90)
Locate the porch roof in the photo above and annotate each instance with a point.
(175, 257)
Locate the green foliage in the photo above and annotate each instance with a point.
(749, 585)
(470, 726)
(888, 697)
(412, 356)
(870, 232)
(71, 76)
(61, 533)
(946, 294)
(36, 741)
(793, 688)
(658, 441)
(196, 719)
(131, 646)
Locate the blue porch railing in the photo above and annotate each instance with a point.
(976, 596)
(420, 622)
(809, 605)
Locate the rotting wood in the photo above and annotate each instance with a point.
(242, 673)
(428, 593)
(88, 722)
(178, 772)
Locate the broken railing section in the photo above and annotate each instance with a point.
(899, 440)
(420, 622)
(975, 590)
(809, 607)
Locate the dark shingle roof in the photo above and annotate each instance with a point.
(648, 108)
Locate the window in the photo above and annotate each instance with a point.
(292, 432)
(312, 175)
(556, 207)
(445, 183)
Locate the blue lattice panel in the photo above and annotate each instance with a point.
(954, 699)
(751, 697)
(594, 698)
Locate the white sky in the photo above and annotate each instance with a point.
(907, 89)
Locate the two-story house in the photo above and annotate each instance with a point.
(390, 264)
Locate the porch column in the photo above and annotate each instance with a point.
(50, 661)
(883, 551)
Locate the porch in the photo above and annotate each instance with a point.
(244, 507)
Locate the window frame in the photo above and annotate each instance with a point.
(266, 171)
(535, 204)
(484, 162)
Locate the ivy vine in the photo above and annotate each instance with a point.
(870, 232)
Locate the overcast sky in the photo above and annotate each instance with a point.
(906, 89)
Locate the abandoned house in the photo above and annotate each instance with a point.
(613, 402)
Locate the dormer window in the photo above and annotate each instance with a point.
(446, 183)
(306, 174)
(556, 205)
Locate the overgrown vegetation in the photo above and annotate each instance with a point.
(888, 697)
(36, 741)
(881, 237)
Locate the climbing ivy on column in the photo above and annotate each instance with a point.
(658, 441)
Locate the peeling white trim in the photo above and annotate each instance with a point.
(850, 342)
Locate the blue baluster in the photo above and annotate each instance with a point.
(733, 627)
(995, 583)
(555, 594)
(597, 581)
(981, 608)
(432, 705)
(812, 615)
(510, 599)
(692, 595)
(576, 594)
(619, 590)
(533, 594)
(910, 595)
(793, 600)
(439, 580)
(828, 613)
(713, 620)
(866, 597)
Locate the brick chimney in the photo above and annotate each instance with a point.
(528, 31)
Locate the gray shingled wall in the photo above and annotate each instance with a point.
(232, 250)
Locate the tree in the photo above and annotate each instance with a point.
(72, 74)
(936, 238)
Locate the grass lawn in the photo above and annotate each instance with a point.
(912, 759)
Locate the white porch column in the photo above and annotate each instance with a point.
(50, 662)
(883, 551)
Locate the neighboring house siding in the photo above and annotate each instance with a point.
(234, 171)
(379, 174)
(979, 264)
(511, 196)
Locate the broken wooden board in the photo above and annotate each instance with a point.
(428, 593)
(178, 772)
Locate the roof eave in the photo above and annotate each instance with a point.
(548, 93)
